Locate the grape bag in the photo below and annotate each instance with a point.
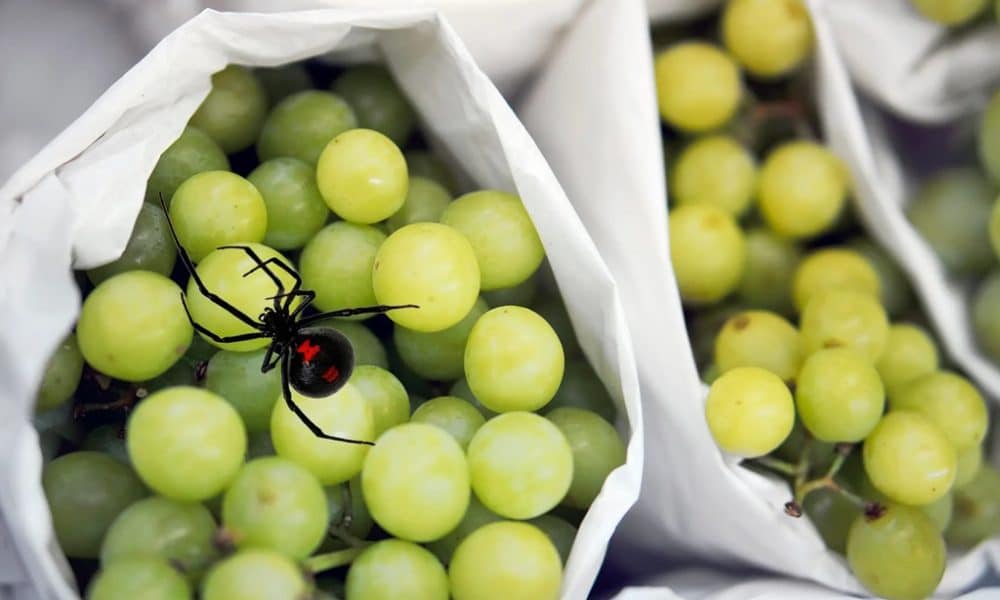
(73, 206)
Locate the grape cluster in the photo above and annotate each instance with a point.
(175, 470)
(820, 368)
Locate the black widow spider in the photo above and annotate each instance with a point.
(316, 361)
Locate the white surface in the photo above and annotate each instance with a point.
(75, 202)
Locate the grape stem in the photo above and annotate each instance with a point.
(332, 560)
(803, 488)
(342, 534)
(777, 465)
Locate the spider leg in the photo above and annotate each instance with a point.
(189, 265)
(272, 357)
(263, 265)
(350, 312)
(217, 338)
(313, 427)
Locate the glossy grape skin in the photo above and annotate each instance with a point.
(344, 414)
(597, 451)
(454, 415)
(430, 265)
(504, 556)
(833, 269)
(900, 555)
(139, 577)
(749, 411)
(950, 12)
(85, 492)
(769, 38)
(301, 125)
(757, 338)
(989, 138)
(389, 402)
(424, 465)
(707, 251)
(421, 163)
(337, 265)
(396, 569)
(368, 349)
(845, 318)
(909, 353)
(186, 443)
(362, 176)
(771, 261)
(839, 396)
(476, 515)
(254, 574)
(977, 510)
(216, 208)
(438, 355)
(802, 189)
(970, 461)
(133, 326)
(237, 377)
(949, 401)
(986, 315)
(295, 208)
(581, 388)
(191, 153)
(909, 459)
(894, 288)
(234, 110)
(513, 360)
(698, 86)
(283, 81)
(426, 200)
(714, 170)
(377, 101)
(62, 375)
(149, 248)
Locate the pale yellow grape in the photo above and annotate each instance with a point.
(839, 396)
(133, 326)
(909, 353)
(502, 558)
(362, 176)
(234, 110)
(396, 569)
(833, 268)
(707, 251)
(970, 460)
(222, 273)
(836, 318)
(757, 338)
(770, 266)
(714, 170)
(769, 38)
(950, 12)
(698, 86)
(949, 401)
(452, 414)
(216, 208)
(425, 200)
(430, 265)
(438, 355)
(909, 459)
(390, 405)
(749, 411)
(346, 414)
(255, 574)
(337, 264)
(802, 189)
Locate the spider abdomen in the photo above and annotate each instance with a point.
(320, 361)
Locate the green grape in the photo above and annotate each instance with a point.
(454, 415)
(259, 444)
(216, 208)
(425, 467)
(977, 510)
(749, 411)
(283, 81)
(192, 153)
(378, 101)
(368, 349)
(502, 235)
(255, 574)
(396, 569)
(200, 350)
(839, 395)
(421, 163)
(845, 318)
(940, 511)
(500, 557)
(337, 265)
(970, 461)
(133, 326)
(769, 38)
(460, 389)
(704, 325)
(425, 201)
(513, 360)
(697, 85)
(234, 110)
(345, 414)
(149, 248)
(138, 577)
(757, 338)
(898, 555)
(108, 439)
(581, 388)
(832, 514)
(894, 288)
(295, 208)
(597, 450)
(708, 253)
(362, 176)
(389, 402)
(802, 189)
(522, 294)
(909, 353)
(275, 504)
(832, 269)
(62, 375)
(995, 228)
(821, 454)
(236, 376)
(301, 125)
(949, 401)
(430, 265)
(230, 273)
(85, 492)
(986, 315)
(182, 373)
(952, 213)
(355, 521)
(950, 12)
(771, 262)
(715, 170)
(475, 517)
(181, 533)
(989, 137)
(186, 443)
(438, 355)
(909, 459)
(560, 532)
(552, 309)
(521, 465)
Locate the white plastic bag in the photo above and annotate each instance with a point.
(593, 112)
(75, 202)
